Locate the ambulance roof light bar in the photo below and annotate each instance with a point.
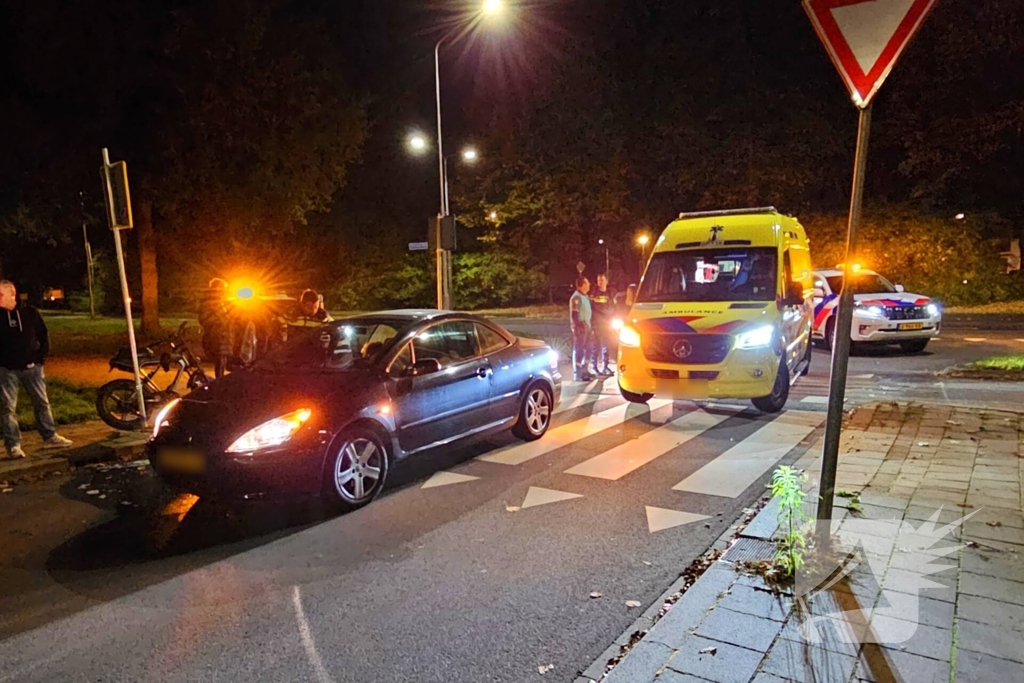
(728, 212)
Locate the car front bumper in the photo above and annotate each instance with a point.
(743, 374)
(873, 329)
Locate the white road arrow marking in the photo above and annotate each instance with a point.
(659, 519)
(446, 479)
(538, 496)
(732, 472)
(869, 26)
(632, 455)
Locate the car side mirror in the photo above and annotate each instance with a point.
(794, 295)
(900, 289)
(427, 366)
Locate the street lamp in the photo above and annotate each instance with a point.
(469, 154)
(607, 262)
(642, 241)
(417, 143)
(444, 257)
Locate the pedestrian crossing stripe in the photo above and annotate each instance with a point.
(731, 473)
(659, 519)
(446, 479)
(538, 496)
(566, 435)
(632, 455)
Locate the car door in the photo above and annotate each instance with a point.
(443, 406)
(795, 319)
(509, 371)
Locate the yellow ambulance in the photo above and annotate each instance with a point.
(723, 311)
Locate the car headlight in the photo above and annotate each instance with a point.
(160, 421)
(876, 311)
(933, 310)
(617, 324)
(553, 359)
(756, 339)
(629, 337)
(271, 433)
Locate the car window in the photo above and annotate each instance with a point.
(490, 340)
(447, 343)
(402, 362)
(866, 283)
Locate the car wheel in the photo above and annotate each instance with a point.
(534, 413)
(915, 346)
(775, 401)
(356, 468)
(829, 341)
(635, 398)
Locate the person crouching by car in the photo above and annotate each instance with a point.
(215, 319)
(581, 315)
(24, 346)
(311, 309)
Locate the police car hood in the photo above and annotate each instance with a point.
(702, 318)
(891, 299)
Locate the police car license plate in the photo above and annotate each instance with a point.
(181, 460)
(911, 326)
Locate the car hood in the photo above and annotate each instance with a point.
(892, 299)
(702, 318)
(243, 400)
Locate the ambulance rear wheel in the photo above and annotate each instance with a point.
(635, 398)
(775, 401)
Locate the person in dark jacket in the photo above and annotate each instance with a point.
(215, 319)
(602, 301)
(24, 346)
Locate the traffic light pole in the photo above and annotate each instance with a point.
(442, 256)
(841, 343)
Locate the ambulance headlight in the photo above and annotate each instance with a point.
(629, 337)
(756, 339)
(933, 310)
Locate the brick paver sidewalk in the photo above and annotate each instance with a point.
(907, 612)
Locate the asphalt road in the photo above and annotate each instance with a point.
(476, 565)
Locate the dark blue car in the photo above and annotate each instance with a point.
(333, 408)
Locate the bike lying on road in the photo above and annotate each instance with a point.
(117, 401)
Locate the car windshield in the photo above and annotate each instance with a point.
(341, 345)
(745, 274)
(865, 283)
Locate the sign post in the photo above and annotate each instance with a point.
(119, 216)
(864, 39)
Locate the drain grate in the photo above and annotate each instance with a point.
(753, 549)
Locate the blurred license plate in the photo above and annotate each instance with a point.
(687, 389)
(912, 326)
(181, 460)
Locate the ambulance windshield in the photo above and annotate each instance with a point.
(729, 274)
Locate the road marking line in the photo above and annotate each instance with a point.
(565, 435)
(577, 401)
(815, 399)
(621, 460)
(307, 639)
(538, 496)
(975, 339)
(731, 473)
(446, 479)
(659, 519)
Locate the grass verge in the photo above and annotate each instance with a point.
(997, 368)
(70, 404)
(1004, 363)
(1002, 308)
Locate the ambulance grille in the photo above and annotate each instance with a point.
(687, 349)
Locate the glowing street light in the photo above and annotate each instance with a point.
(493, 7)
(960, 216)
(417, 143)
(470, 154)
(494, 215)
(643, 240)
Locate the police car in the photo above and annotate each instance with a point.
(883, 313)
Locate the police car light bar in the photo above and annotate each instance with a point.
(728, 212)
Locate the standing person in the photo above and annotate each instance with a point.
(581, 315)
(215, 319)
(602, 301)
(24, 346)
(311, 310)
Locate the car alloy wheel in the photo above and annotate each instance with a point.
(538, 411)
(358, 470)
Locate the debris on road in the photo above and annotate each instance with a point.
(632, 603)
(595, 595)
(7, 490)
(709, 651)
(92, 492)
(995, 523)
(512, 508)
(546, 668)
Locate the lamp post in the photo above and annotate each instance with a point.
(444, 257)
(607, 261)
(642, 241)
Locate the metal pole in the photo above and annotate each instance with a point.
(841, 346)
(89, 271)
(124, 287)
(439, 255)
